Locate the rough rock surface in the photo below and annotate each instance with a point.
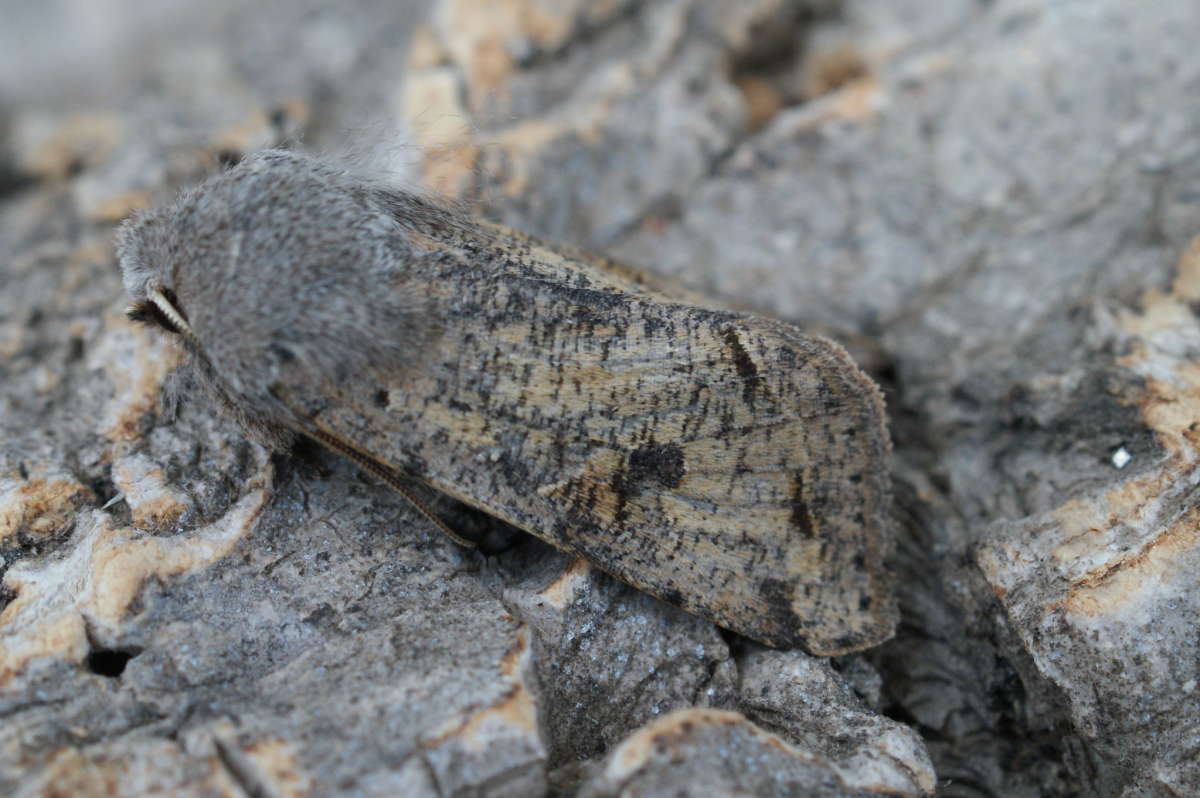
(991, 203)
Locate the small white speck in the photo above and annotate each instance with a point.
(1189, 686)
(1121, 457)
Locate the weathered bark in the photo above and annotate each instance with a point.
(991, 204)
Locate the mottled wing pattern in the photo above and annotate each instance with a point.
(727, 464)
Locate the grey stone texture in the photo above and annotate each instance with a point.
(992, 204)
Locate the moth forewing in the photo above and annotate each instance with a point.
(727, 464)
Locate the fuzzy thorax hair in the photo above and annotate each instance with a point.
(281, 263)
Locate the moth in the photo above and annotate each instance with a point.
(728, 464)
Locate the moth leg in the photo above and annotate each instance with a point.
(389, 477)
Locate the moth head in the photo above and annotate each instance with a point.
(155, 264)
(145, 252)
(279, 276)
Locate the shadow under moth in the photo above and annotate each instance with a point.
(725, 463)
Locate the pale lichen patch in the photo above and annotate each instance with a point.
(140, 766)
(1111, 572)
(57, 599)
(151, 500)
(55, 148)
(659, 737)
(280, 763)
(513, 715)
(1122, 545)
(38, 505)
(137, 361)
(562, 591)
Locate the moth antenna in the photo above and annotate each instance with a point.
(165, 306)
(388, 476)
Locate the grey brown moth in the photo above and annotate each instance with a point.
(727, 464)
